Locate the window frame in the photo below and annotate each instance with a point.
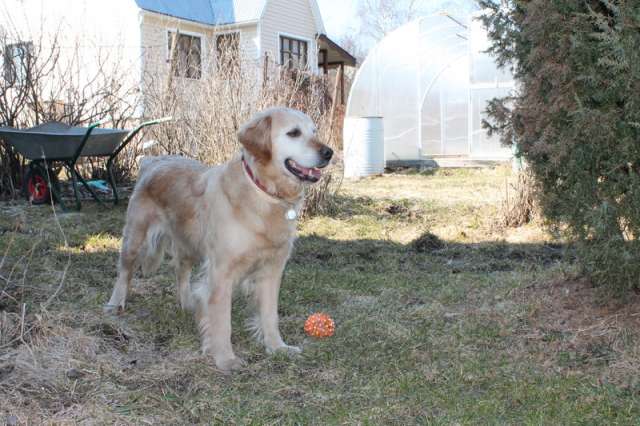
(291, 37)
(10, 65)
(168, 52)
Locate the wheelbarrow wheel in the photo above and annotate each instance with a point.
(35, 187)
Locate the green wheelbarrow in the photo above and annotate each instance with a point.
(56, 143)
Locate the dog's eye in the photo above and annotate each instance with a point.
(294, 133)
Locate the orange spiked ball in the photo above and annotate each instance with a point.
(319, 325)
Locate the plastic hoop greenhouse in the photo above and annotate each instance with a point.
(429, 82)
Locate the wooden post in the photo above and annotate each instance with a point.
(333, 102)
(342, 83)
(265, 70)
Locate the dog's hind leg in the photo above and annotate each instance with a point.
(183, 285)
(133, 244)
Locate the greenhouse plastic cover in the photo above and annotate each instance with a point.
(431, 81)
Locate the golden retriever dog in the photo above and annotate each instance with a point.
(237, 220)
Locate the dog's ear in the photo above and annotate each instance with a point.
(255, 136)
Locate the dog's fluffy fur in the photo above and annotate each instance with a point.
(219, 218)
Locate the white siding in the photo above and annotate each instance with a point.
(292, 18)
(250, 42)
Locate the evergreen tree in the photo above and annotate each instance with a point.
(575, 119)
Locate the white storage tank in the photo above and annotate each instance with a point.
(363, 146)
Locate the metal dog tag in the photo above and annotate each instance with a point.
(291, 214)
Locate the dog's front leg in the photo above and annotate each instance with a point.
(267, 288)
(214, 318)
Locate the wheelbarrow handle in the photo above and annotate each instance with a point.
(158, 121)
(86, 138)
(135, 131)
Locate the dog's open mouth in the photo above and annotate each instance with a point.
(309, 174)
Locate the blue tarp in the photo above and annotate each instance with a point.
(211, 12)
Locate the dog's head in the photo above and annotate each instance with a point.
(284, 140)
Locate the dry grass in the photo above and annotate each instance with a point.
(572, 323)
(441, 317)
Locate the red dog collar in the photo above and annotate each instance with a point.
(291, 213)
(254, 178)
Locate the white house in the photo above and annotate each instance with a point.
(288, 32)
(137, 36)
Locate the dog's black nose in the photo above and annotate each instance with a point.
(326, 153)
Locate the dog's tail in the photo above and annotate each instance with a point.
(153, 250)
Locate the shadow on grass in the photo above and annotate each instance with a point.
(448, 256)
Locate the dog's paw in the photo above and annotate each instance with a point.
(285, 349)
(113, 309)
(230, 364)
(116, 302)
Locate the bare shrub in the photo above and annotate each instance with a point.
(519, 206)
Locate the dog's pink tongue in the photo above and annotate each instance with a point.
(310, 171)
(316, 173)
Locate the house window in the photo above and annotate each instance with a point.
(59, 110)
(228, 50)
(188, 55)
(293, 52)
(16, 62)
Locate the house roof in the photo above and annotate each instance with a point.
(210, 12)
(335, 53)
(218, 12)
